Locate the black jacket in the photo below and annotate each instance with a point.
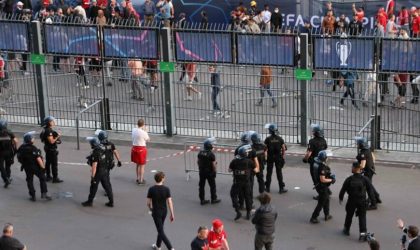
(414, 245)
(265, 220)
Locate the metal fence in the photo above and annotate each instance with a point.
(86, 63)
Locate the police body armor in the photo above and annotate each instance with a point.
(7, 148)
(44, 139)
(242, 175)
(27, 155)
(109, 156)
(275, 147)
(317, 171)
(102, 163)
(260, 153)
(204, 164)
(319, 144)
(370, 166)
(357, 189)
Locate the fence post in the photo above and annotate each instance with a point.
(375, 133)
(167, 56)
(304, 94)
(40, 77)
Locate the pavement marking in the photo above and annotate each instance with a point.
(153, 171)
(296, 188)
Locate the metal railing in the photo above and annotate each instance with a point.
(78, 119)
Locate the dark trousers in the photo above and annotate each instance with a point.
(51, 163)
(383, 81)
(349, 92)
(415, 91)
(260, 179)
(159, 220)
(323, 202)
(56, 63)
(311, 170)
(279, 163)
(369, 175)
(360, 208)
(263, 89)
(214, 94)
(5, 164)
(211, 179)
(30, 172)
(24, 62)
(244, 190)
(263, 241)
(103, 178)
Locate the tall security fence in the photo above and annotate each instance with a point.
(213, 81)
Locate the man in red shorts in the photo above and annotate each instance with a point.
(217, 237)
(139, 137)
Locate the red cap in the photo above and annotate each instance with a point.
(217, 223)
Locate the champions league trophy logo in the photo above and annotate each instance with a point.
(343, 49)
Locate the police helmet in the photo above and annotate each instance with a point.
(28, 137)
(256, 138)
(362, 143)
(102, 135)
(322, 155)
(246, 137)
(208, 143)
(317, 130)
(3, 124)
(272, 128)
(243, 151)
(48, 119)
(93, 141)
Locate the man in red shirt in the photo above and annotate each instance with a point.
(415, 25)
(403, 16)
(217, 237)
(381, 17)
(390, 5)
(359, 12)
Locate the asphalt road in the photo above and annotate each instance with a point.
(64, 224)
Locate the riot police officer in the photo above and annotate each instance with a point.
(8, 145)
(356, 186)
(246, 140)
(275, 156)
(110, 151)
(315, 145)
(51, 138)
(366, 160)
(31, 159)
(98, 162)
(241, 168)
(207, 166)
(323, 179)
(261, 153)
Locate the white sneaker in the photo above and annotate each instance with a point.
(189, 98)
(199, 95)
(155, 247)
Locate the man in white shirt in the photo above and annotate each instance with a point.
(139, 137)
(266, 17)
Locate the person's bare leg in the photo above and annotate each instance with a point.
(137, 171)
(141, 173)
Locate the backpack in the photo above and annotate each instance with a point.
(357, 187)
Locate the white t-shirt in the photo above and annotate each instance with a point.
(139, 137)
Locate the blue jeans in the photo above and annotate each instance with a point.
(266, 88)
(214, 94)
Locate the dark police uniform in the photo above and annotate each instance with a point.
(356, 186)
(251, 155)
(27, 155)
(260, 150)
(315, 145)
(369, 170)
(110, 163)
(241, 169)
(321, 169)
(274, 157)
(51, 153)
(7, 152)
(206, 158)
(102, 174)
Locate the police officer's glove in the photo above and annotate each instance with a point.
(92, 180)
(119, 164)
(305, 160)
(333, 179)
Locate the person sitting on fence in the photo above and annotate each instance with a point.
(328, 24)
(138, 77)
(347, 79)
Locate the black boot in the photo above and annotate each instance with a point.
(109, 204)
(282, 190)
(87, 203)
(346, 231)
(248, 215)
(238, 215)
(45, 196)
